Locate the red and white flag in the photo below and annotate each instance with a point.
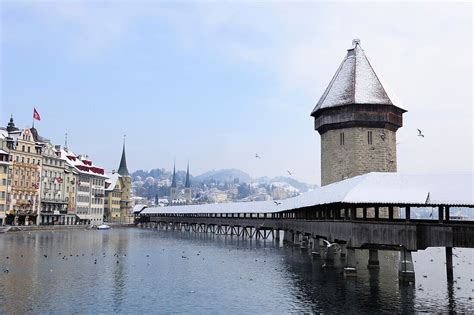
(36, 115)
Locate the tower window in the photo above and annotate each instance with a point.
(369, 137)
(341, 138)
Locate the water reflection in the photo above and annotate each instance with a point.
(149, 271)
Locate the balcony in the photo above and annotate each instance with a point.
(55, 200)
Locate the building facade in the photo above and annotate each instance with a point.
(4, 168)
(357, 119)
(53, 192)
(118, 194)
(25, 147)
(89, 188)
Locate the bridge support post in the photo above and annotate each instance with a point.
(373, 259)
(315, 250)
(330, 254)
(350, 270)
(406, 270)
(304, 242)
(343, 251)
(276, 235)
(296, 238)
(449, 264)
(287, 236)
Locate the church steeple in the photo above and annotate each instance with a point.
(188, 183)
(173, 182)
(122, 170)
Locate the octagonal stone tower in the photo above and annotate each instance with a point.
(357, 119)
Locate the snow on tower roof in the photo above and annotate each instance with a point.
(372, 188)
(356, 82)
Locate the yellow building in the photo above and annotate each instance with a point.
(118, 194)
(25, 148)
(4, 166)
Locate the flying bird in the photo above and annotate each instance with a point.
(328, 244)
(420, 134)
(277, 203)
(289, 173)
(257, 156)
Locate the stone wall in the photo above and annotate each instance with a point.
(356, 156)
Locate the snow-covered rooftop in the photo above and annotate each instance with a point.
(112, 181)
(81, 166)
(138, 208)
(372, 188)
(356, 82)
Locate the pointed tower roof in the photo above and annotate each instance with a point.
(11, 125)
(355, 82)
(122, 170)
(188, 183)
(173, 182)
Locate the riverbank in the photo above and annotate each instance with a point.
(31, 228)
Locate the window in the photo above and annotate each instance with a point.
(369, 137)
(28, 149)
(341, 138)
(23, 148)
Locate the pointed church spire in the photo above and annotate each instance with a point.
(187, 184)
(173, 182)
(122, 170)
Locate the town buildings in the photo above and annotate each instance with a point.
(42, 183)
(118, 199)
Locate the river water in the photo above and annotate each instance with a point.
(132, 270)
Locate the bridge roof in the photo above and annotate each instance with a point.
(373, 188)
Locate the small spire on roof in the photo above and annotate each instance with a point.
(65, 141)
(355, 42)
(188, 183)
(122, 170)
(173, 181)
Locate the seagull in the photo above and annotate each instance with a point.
(328, 244)
(420, 134)
(277, 203)
(289, 173)
(257, 156)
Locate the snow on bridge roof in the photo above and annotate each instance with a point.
(372, 188)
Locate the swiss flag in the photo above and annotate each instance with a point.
(36, 115)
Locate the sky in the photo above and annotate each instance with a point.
(215, 83)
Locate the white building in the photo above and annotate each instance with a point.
(90, 184)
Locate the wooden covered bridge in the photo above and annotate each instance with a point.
(372, 211)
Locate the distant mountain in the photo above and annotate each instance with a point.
(225, 175)
(302, 187)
